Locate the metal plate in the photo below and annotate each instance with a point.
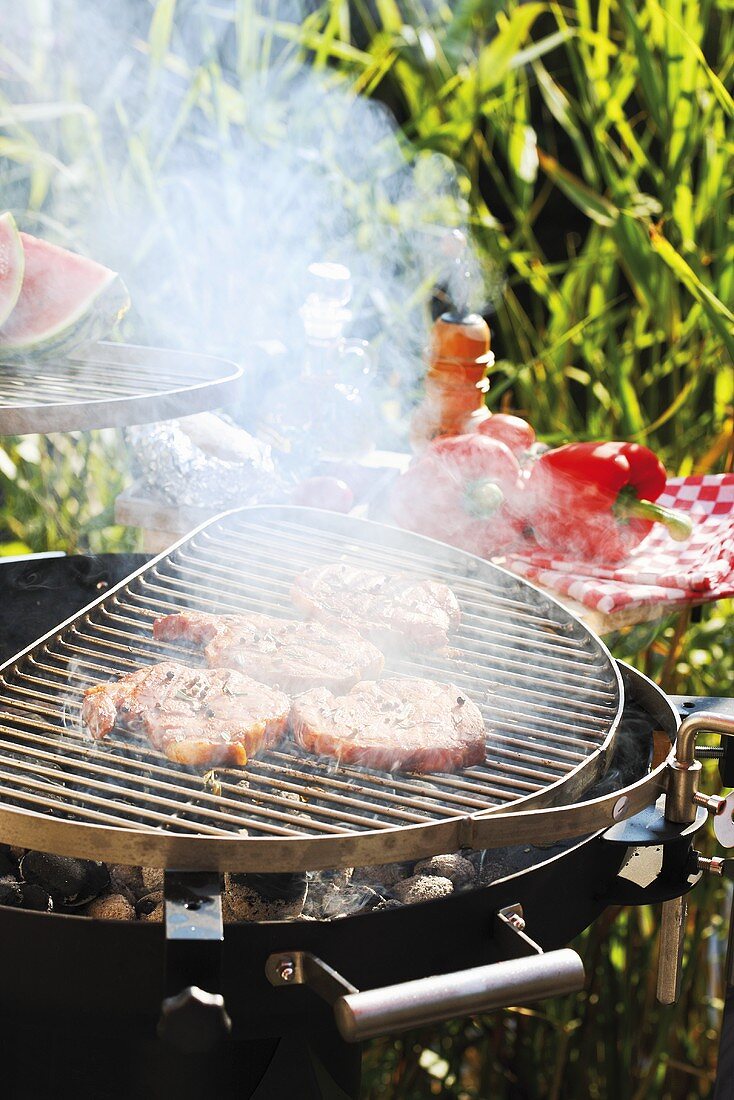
(111, 386)
(549, 690)
(724, 823)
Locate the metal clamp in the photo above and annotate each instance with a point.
(367, 1014)
(685, 769)
(681, 802)
(193, 1015)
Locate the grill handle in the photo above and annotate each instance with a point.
(374, 1012)
(527, 974)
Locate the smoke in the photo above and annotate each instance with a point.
(201, 158)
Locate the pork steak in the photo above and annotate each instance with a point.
(200, 717)
(290, 655)
(403, 725)
(390, 608)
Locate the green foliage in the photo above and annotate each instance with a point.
(595, 147)
(624, 329)
(59, 493)
(611, 1041)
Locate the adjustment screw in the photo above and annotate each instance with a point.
(516, 921)
(715, 804)
(286, 970)
(709, 752)
(714, 866)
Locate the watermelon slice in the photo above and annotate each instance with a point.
(65, 300)
(12, 264)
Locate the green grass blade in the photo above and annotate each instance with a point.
(595, 206)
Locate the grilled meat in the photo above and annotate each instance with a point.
(292, 656)
(199, 717)
(406, 725)
(387, 607)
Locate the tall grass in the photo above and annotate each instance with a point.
(595, 147)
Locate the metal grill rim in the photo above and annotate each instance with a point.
(543, 749)
(111, 385)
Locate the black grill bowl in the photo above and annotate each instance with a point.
(80, 999)
(88, 993)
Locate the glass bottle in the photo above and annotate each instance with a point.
(321, 412)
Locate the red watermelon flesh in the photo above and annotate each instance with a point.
(58, 292)
(12, 264)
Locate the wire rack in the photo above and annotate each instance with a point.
(547, 687)
(111, 385)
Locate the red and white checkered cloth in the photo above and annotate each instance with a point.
(659, 570)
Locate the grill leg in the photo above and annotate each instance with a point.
(299, 1069)
(109, 1059)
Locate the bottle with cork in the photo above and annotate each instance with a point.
(319, 412)
(459, 359)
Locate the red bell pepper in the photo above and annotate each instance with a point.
(595, 501)
(513, 431)
(462, 490)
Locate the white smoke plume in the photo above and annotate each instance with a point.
(190, 147)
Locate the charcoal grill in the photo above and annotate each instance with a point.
(109, 386)
(55, 787)
(549, 691)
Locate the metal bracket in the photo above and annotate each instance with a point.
(681, 805)
(651, 827)
(657, 864)
(303, 968)
(530, 975)
(193, 908)
(511, 935)
(193, 1016)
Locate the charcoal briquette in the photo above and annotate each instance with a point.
(154, 916)
(383, 874)
(241, 900)
(127, 881)
(35, 897)
(68, 881)
(110, 907)
(148, 903)
(454, 867)
(422, 888)
(8, 865)
(492, 868)
(152, 878)
(350, 900)
(285, 888)
(387, 903)
(10, 892)
(24, 895)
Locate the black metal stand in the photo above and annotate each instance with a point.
(297, 1070)
(311, 1065)
(45, 1058)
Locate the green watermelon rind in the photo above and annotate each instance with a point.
(93, 320)
(11, 299)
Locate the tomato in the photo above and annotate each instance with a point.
(329, 493)
(513, 431)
